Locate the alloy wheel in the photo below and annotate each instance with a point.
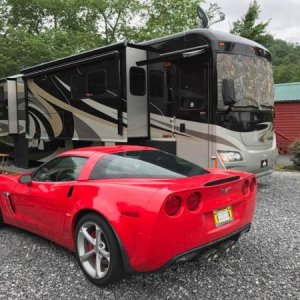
(93, 250)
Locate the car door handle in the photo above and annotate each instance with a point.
(70, 192)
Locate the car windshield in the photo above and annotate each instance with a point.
(144, 164)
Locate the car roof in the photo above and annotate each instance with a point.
(89, 151)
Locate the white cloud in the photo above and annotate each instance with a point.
(284, 15)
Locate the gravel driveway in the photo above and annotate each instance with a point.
(266, 263)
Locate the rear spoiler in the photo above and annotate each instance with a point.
(221, 181)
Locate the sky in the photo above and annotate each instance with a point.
(284, 15)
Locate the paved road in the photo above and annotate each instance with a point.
(266, 264)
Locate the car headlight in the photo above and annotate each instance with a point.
(230, 156)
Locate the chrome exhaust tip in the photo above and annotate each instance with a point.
(233, 246)
(228, 246)
(210, 255)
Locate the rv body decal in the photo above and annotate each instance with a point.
(160, 127)
(85, 125)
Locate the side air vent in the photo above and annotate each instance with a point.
(221, 181)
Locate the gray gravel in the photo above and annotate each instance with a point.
(265, 265)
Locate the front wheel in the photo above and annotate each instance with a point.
(97, 250)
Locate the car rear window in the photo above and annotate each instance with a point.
(144, 164)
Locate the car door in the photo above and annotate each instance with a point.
(41, 205)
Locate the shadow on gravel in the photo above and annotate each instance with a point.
(263, 184)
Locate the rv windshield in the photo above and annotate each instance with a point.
(252, 76)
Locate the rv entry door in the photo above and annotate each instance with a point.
(190, 110)
(136, 85)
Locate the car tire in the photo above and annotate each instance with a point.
(97, 250)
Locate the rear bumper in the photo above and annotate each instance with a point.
(198, 250)
(157, 254)
(189, 253)
(167, 238)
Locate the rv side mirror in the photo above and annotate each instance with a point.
(25, 179)
(203, 18)
(228, 91)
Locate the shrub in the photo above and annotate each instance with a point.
(295, 150)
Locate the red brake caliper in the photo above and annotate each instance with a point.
(89, 245)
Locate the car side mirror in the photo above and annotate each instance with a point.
(228, 91)
(27, 179)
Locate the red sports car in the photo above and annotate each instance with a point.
(129, 209)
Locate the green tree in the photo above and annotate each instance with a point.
(159, 18)
(286, 60)
(36, 16)
(285, 56)
(19, 49)
(248, 27)
(35, 31)
(114, 17)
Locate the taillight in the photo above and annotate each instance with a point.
(253, 185)
(193, 201)
(245, 187)
(173, 205)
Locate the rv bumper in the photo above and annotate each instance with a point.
(259, 163)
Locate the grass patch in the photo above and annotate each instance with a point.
(282, 167)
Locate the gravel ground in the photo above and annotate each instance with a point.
(265, 265)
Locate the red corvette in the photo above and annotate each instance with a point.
(129, 208)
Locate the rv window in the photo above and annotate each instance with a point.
(156, 83)
(137, 81)
(194, 89)
(1, 94)
(78, 88)
(97, 83)
(88, 85)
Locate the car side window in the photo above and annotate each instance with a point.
(60, 169)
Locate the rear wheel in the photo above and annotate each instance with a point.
(97, 250)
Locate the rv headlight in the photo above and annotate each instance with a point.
(230, 156)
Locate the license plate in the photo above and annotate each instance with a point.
(223, 216)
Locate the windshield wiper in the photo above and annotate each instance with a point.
(245, 106)
(267, 106)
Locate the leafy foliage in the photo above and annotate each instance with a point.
(286, 60)
(285, 56)
(295, 150)
(165, 17)
(114, 18)
(35, 31)
(248, 28)
(19, 49)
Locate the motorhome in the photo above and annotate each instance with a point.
(204, 95)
